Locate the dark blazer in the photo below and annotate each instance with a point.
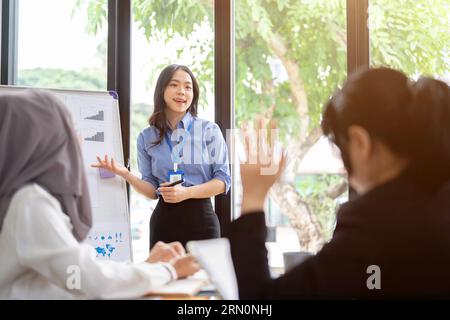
(400, 228)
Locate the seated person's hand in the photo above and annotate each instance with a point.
(185, 266)
(165, 252)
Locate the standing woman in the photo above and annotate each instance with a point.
(177, 145)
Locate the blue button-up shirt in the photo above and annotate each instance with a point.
(200, 152)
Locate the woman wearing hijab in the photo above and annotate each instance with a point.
(392, 239)
(45, 213)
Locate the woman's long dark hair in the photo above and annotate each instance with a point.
(158, 118)
(411, 117)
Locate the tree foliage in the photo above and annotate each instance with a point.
(411, 35)
(62, 79)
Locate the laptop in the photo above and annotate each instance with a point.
(214, 256)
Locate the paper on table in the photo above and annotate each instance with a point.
(214, 256)
(182, 287)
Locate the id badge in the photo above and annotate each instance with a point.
(175, 175)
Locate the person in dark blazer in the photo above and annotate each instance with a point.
(392, 240)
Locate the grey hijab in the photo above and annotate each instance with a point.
(39, 145)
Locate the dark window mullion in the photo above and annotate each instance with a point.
(9, 41)
(223, 75)
(357, 35)
(119, 64)
(357, 42)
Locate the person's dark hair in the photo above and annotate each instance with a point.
(411, 118)
(158, 117)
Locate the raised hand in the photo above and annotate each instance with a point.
(261, 169)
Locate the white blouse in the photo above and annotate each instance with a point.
(39, 257)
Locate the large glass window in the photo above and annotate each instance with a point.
(411, 35)
(166, 32)
(59, 46)
(290, 56)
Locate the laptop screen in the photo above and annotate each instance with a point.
(214, 256)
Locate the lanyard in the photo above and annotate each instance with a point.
(169, 142)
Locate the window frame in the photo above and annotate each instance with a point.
(9, 39)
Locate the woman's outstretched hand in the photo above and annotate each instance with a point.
(262, 168)
(110, 165)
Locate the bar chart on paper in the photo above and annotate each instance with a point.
(99, 116)
(96, 120)
(95, 137)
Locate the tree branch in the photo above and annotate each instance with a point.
(301, 218)
(336, 190)
(296, 84)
